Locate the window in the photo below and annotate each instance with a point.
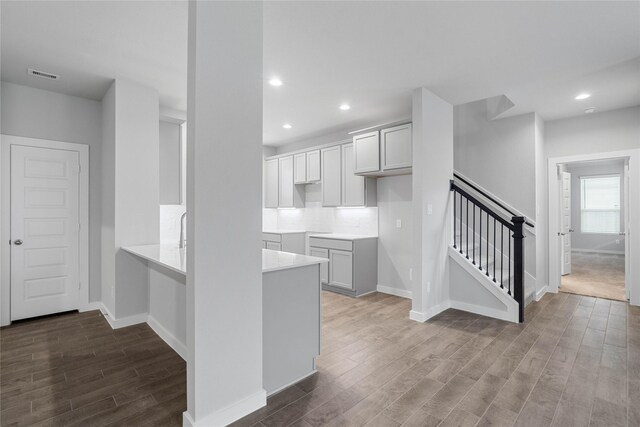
(600, 204)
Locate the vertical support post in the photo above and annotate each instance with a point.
(518, 263)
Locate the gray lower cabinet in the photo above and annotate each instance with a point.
(324, 268)
(293, 242)
(273, 246)
(353, 263)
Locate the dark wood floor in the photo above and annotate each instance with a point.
(576, 361)
(73, 369)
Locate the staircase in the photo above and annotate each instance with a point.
(488, 244)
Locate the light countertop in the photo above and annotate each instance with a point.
(174, 258)
(283, 231)
(339, 236)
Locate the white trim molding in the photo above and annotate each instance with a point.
(403, 293)
(231, 413)
(483, 311)
(6, 141)
(423, 316)
(167, 337)
(541, 292)
(123, 322)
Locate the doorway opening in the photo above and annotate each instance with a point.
(593, 218)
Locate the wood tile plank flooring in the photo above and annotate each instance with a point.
(73, 369)
(576, 361)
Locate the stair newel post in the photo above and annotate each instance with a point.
(518, 263)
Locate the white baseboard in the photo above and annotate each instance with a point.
(541, 292)
(278, 390)
(94, 305)
(168, 337)
(395, 291)
(231, 413)
(423, 316)
(486, 311)
(187, 421)
(123, 321)
(597, 251)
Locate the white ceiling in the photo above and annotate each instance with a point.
(369, 54)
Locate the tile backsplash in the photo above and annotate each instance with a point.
(170, 223)
(314, 217)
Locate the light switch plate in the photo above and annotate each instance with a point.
(398, 223)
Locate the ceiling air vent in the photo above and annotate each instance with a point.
(42, 74)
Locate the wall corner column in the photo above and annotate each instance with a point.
(432, 170)
(224, 212)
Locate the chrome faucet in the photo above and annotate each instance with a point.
(183, 241)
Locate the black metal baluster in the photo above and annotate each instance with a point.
(467, 227)
(509, 291)
(487, 272)
(454, 218)
(460, 223)
(474, 235)
(495, 261)
(501, 255)
(480, 238)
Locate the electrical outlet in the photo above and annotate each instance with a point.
(398, 223)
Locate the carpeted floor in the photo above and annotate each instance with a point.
(596, 275)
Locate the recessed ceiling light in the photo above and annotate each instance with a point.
(286, 126)
(590, 110)
(275, 82)
(345, 107)
(583, 96)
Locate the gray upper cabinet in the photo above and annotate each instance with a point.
(331, 176)
(313, 166)
(384, 152)
(289, 195)
(170, 147)
(396, 147)
(353, 186)
(271, 183)
(366, 152)
(300, 168)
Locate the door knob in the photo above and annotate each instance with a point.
(571, 230)
(17, 242)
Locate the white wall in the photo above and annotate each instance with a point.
(593, 133)
(38, 113)
(594, 242)
(499, 154)
(130, 192)
(395, 257)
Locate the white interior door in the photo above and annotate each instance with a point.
(565, 217)
(625, 228)
(44, 231)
